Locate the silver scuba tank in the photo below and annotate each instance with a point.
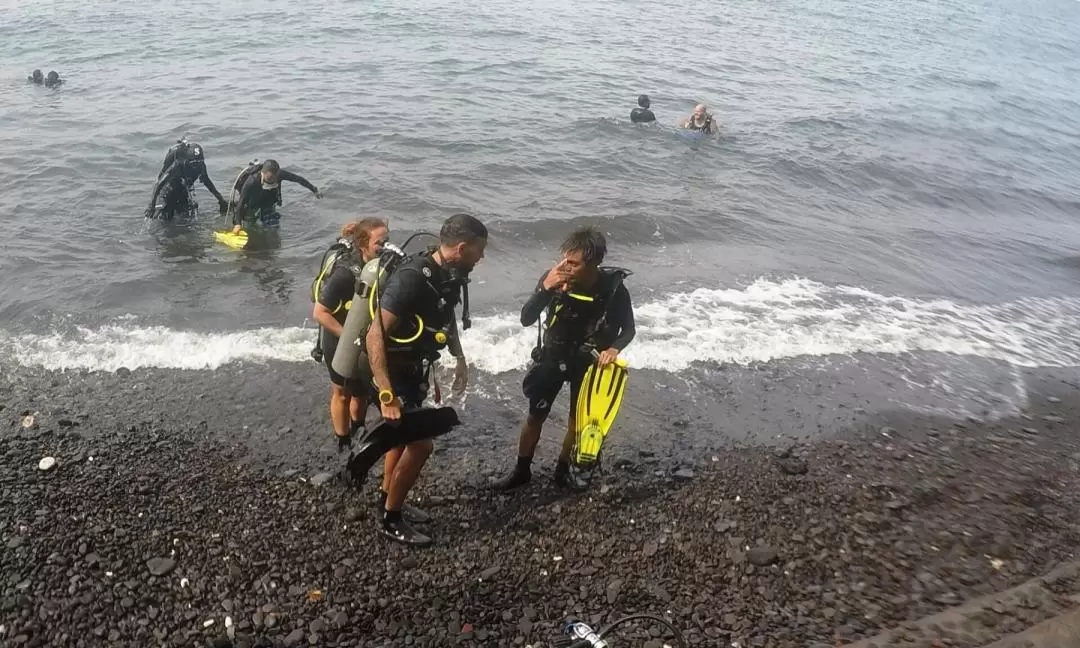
(350, 346)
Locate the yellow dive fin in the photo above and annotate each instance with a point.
(597, 406)
(236, 241)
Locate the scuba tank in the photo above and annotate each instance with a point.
(346, 360)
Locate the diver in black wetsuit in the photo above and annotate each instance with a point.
(53, 80)
(642, 114)
(37, 78)
(259, 193)
(184, 164)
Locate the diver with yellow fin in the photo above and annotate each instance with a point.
(411, 302)
(589, 321)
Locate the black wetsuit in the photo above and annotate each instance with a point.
(605, 322)
(418, 287)
(257, 202)
(336, 293)
(177, 177)
(642, 116)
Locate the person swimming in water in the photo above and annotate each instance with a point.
(37, 78)
(257, 193)
(642, 114)
(53, 80)
(702, 121)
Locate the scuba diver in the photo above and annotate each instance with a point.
(361, 241)
(37, 78)
(184, 164)
(257, 193)
(53, 80)
(590, 319)
(415, 320)
(642, 114)
(702, 120)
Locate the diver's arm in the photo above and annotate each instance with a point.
(170, 156)
(376, 348)
(454, 341)
(298, 179)
(624, 320)
(164, 179)
(534, 308)
(204, 177)
(326, 319)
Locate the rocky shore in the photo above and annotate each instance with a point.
(150, 529)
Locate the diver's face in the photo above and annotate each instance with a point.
(269, 179)
(699, 112)
(574, 264)
(469, 254)
(376, 240)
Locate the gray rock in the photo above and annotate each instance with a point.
(160, 566)
(341, 619)
(1053, 419)
(489, 573)
(792, 466)
(614, 588)
(762, 556)
(1028, 430)
(16, 541)
(321, 478)
(294, 637)
(317, 626)
(684, 474)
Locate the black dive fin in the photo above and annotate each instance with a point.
(414, 425)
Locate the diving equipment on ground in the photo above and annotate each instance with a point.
(414, 425)
(578, 634)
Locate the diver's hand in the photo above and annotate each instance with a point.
(237, 229)
(223, 205)
(318, 194)
(461, 376)
(391, 412)
(149, 213)
(607, 356)
(558, 277)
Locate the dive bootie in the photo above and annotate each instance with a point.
(517, 478)
(394, 527)
(411, 514)
(566, 478)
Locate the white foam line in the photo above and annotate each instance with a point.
(764, 321)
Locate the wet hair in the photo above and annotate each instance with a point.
(53, 76)
(590, 242)
(359, 231)
(462, 228)
(271, 166)
(643, 101)
(37, 76)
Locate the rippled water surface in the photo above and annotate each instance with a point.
(919, 150)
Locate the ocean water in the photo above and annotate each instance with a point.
(893, 178)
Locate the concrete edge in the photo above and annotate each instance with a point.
(931, 626)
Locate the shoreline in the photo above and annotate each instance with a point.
(889, 523)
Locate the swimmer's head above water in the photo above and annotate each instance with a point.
(37, 77)
(53, 80)
(269, 174)
(643, 101)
